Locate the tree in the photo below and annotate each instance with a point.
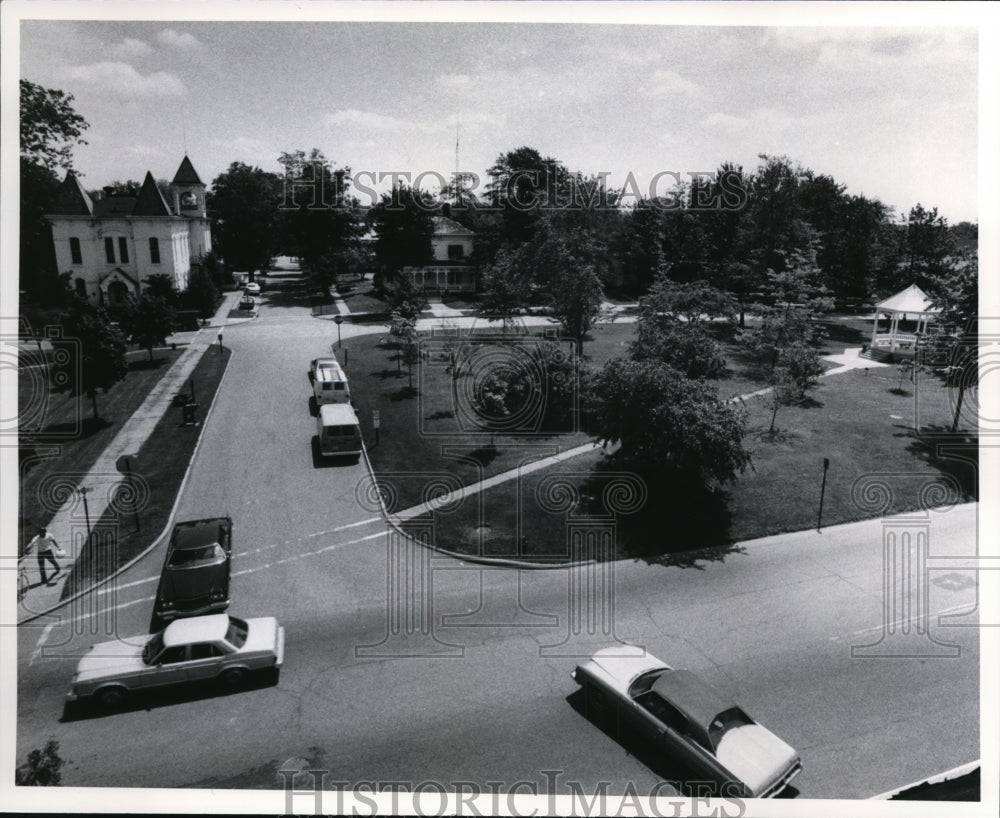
(928, 247)
(694, 302)
(147, 321)
(666, 424)
(407, 299)
(403, 229)
(201, 293)
(321, 220)
(162, 286)
(244, 205)
(42, 768)
(522, 183)
(688, 348)
(951, 348)
(795, 373)
(100, 348)
(505, 287)
(50, 126)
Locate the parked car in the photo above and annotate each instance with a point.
(246, 303)
(195, 576)
(688, 719)
(321, 363)
(218, 646)
(253, 288)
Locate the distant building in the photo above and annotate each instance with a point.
(451, 269)
(110, 245)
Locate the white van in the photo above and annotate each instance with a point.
(330, 383)
(338, 430)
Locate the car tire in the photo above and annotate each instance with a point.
(234, 676)
(111, 698)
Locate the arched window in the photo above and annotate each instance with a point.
(117, 293)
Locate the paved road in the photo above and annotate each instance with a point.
(488, 697)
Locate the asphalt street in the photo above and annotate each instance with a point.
(405, 665)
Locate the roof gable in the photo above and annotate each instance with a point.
(443, 226)
(150, 201)
(910, 300)
(73, 199)
(186, 174)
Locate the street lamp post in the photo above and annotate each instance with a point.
(86, 510)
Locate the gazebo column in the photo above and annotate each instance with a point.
(875, 329)
(892, 330)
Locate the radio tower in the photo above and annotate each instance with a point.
(457, 183)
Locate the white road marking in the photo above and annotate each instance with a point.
(369, 521)
(894, 625)
(41, 641)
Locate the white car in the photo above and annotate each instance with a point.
(688, 719)
(253, 288)
(218, 646)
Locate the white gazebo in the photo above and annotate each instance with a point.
(910, 308)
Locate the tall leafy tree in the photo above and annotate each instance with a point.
(100, 348)
(146, 321)
(50, 126)
(928, 248)
(668, 425)
(321, 220)
(243, 203)
(403, 225)
(506, 287)
(50, 129)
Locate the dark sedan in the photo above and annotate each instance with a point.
(195, 578)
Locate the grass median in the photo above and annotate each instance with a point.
(121, 535)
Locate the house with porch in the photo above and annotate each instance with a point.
(900, 321)
(451, 269)
(110, 245)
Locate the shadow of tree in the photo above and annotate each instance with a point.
(403, 393)
(953, 453)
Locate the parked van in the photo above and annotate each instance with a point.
(338, 430)
(330, 383)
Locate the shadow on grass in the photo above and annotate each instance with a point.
(775, 435)
(681, 522)
(87, 427)
(905, 393)
(441, 415)
(403, 393)
(838, 332)
(955, 454)
(144, 364)
(484, 455)
(385, 374)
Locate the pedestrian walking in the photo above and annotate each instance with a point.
(45, 547)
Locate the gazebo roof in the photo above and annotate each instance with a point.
(912, 301)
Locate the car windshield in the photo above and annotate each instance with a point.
(726, 721)
(189, 557)
(152, 649)
(237, 633)
(644, 683)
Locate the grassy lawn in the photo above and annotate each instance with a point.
(359, 297)
(859, 422)
(162, 462)
(69, 439)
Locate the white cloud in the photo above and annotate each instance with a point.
(665, 83)
(369, 121)
(177, 39)
(121, 79)
(131, 47)
(724, 122)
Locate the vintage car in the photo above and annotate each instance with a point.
(317, 364)
(253, 288)
(195, 576)
(688, 719)
(246, 303)
(218, 646)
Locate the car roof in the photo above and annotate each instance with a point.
(199, 532)
(196, 629)
(698, 700)
(337, 413)
(331, 361)
(329, 370)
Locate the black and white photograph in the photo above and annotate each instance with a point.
(496, 408)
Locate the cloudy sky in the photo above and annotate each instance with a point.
(890, 112)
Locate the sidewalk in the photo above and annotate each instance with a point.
(103, 477)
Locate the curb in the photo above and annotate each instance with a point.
(940, 778)
(166, 528)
